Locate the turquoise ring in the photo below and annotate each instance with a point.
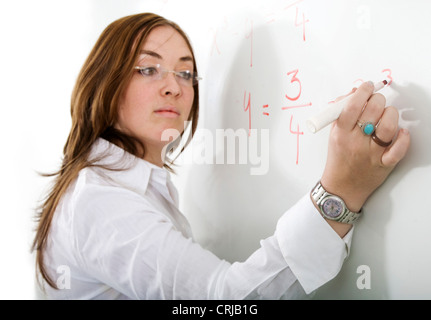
(366, 127)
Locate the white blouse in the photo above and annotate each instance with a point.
(118, 234)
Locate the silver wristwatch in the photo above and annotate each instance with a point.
(332, 207)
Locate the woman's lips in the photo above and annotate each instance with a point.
(168, 112)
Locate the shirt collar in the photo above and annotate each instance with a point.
(130, 171)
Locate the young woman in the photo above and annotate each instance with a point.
(110, 228)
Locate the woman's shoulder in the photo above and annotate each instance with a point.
(96, 186)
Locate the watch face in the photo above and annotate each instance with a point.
(333, 207)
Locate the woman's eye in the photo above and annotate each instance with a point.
(149, 71)
(186, 75)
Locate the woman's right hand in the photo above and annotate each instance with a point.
(356, 165)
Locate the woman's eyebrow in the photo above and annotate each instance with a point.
(186, 58)
(158, 56)
(151, 53)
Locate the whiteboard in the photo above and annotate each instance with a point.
(272, 65)
(253, 56)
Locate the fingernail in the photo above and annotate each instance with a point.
(370, 83)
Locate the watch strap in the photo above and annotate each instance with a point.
(319, 194)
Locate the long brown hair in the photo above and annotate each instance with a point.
(94, 110)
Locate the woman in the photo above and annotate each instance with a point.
(110, 228)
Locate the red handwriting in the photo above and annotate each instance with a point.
(270, 18)
(248, 108)
(294, 87)
(389, 75)
(250, 36)
(215, 43)
(296, 80)
(301, 23)
(272, 15)
(298, 133)
(292, 4)
(298, 106)
(293, 80)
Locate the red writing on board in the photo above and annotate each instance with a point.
(215, 46)
(265, 113)
(292, 4)
(248, 108)
(295, 79)
(388, 76)
(249, 35)
(301, 23)
(298, 133)
(295, 97)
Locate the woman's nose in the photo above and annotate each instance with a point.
(171, 85)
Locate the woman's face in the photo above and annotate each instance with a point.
(150, 106)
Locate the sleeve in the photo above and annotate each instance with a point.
(313, 250)
(122, 241)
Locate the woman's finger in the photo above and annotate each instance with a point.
(386, 129)
(397, 150)
(350, 114)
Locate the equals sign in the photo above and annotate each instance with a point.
(265, 113)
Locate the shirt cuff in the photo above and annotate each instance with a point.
(313, 250)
